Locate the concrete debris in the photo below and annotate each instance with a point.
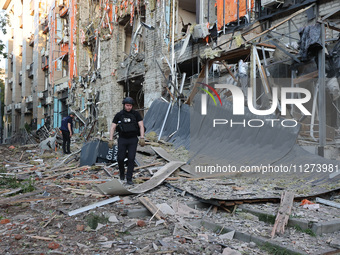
(173, 58)
(183, 210)
(166, 209)
(228, 236)
(113, 219)
(327, 202)
(229, 251)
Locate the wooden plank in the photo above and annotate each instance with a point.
(229, 71)
(145, 166)
(84, 182)
(31, 200)
(41, 238)
(84, 192)
(167, 179)
(306, 77)
(152, 208)
(285, 209)
(262, 72)
(266, 45)
(280, 23)
(11, 192)
(200, 78)
(10, 199)
(84, 168)
(49, 221)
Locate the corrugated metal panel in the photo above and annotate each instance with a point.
(244, 146)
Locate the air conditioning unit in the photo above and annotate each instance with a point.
(201, 31)
(59, 88)
(30, 98)
(268, 3)
(26, 109)
(40, 95)
(10, 81)
(46, 53)
(49, 100)
(10, 56)
(9, 107)
(20, 73)
(65, 39)
(28, 67)
(17, 106)
(65, 85)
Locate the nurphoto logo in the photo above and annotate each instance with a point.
(239, 100)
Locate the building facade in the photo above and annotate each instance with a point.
(86, 56)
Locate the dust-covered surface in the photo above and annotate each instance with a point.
(323, 213)
(39, 190)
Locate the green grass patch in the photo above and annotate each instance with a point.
(276, 250)
(267, 218)
(10, 182)
(93, 220)
(308, 231)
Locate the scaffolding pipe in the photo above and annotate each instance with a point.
(322, 95)
(165, 119)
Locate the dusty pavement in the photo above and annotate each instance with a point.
(38, 192)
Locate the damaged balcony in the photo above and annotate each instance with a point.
(31, 40)
(131, 68)
(44, 63)
(29, 69)
(44, 25)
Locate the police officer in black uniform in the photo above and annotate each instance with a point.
(129, 124)
(67, 131)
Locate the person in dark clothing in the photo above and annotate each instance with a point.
(67, 131)
(129, 124)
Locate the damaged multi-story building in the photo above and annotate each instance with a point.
(86, 56)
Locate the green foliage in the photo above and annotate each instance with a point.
(4, 21)
(308, 231)
(11, 182)
(276, 250)
(267, 218)
(2, 96)
(93, 220)
(27, 127)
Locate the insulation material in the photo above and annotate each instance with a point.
(231, 11)
(59, 64)
(310, 41)
(335, 55)
(333, 88)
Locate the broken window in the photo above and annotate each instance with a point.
(186, 16)
(65, 66)
(128, 38)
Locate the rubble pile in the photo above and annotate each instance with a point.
(49, 206)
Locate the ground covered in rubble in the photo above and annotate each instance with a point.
(39, 190)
